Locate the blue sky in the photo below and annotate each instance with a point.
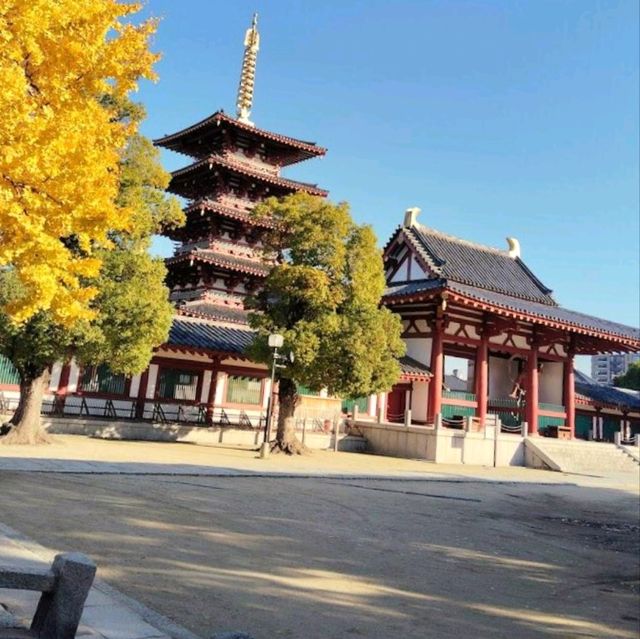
(495, 117)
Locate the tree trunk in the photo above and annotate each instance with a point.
(286, 440)
(25, 425)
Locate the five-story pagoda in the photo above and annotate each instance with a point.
(236, 166)
(218, 260)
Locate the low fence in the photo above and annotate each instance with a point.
(189, 433)
(164, 413)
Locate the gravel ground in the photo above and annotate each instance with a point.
(333, 558)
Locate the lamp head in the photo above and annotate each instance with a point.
(275, 340)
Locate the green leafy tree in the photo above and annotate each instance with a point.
(133, 312)
(630, 379)
(323, 296)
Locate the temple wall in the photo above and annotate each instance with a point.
(134, 388)
(443, 445)
(550, 383)
(206, 385)
(220, 388)
(419, 348)
(151, 381)
(419, 401)
(56, 370)
(74, 374)
(502, 374)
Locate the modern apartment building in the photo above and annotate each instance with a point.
(604, 368)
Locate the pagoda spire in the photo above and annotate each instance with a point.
(248, 73)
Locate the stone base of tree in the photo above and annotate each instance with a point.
(290, 447)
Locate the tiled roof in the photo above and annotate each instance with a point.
(531, 309)
(309, 149)
(476, 265)
(454, 383)
(202, 166)
(552, 313)
(210, 310)
(224, 260)
(200, 334)
(410, 288)
(412, 368)
(601, 394)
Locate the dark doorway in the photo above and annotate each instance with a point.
(397, 402)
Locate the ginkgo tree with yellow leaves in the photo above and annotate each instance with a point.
(64, 66)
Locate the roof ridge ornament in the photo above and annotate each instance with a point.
(514, 248)
(411, 217)
(248, 72)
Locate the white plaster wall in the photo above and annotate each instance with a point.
(206, 385)
(135, 386)
(74, 373)
(550, 383)
(56, 370)
(372, 405)
(500, 376)
(401, 274)
(420, 349)
(417, 273)
(419, 402)
(266, 392)
(382, 404)
(220, 388)
(151, 383)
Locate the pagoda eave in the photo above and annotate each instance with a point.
(231, 263)
(186, 181)
(189, 141)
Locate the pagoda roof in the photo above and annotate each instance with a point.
(223, 260)
(188, 141)
(205, 335)
(509, 305)
(464, 262)
(588, 389)
(208, 309)
(234, 213)
(202, 167)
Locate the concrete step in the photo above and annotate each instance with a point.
(579, 456)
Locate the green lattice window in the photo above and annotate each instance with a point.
(244, 390)
(449, 411)
(177, 384)
(304, 390)
(8, 372)
(548, 420)
(361, 402)
(584, 425)
(99, 379)
(453, 394)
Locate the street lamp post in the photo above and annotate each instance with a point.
(275, 341)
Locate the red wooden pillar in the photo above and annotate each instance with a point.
(437, 365)
(570, 394)
(482, 378)
(63, 384)
(63, 388)
(532, 390)
(142, 394)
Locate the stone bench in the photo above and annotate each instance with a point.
(64, 587)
